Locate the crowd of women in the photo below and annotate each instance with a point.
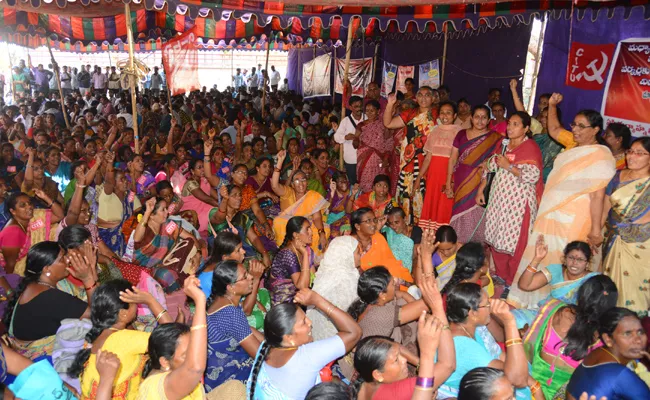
(221, 251)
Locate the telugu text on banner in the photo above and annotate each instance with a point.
(181, 60)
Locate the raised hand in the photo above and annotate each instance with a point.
(513, 84)
(355, 190)
(428, 245)
(501, 310)
(192, 288)
(429, 330)
(207, 147)
(306, 297)
(107, 365)
(541, 248)
(282, 154)
(556, 98)
(256, 269)
(392, 98)
(150, 204)
(136, 296)
(223, 192)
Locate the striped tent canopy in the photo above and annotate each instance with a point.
(292, 25)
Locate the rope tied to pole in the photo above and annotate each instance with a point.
(139, 71)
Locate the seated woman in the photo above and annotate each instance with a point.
(112, 313)
(565, 279)
(485, 383)
(177, 355)
(188, 219)
(563, 334)
(116, 205)
(297, 201)
(293, 265)
(289, 362)
(292, 158)
(323, 171)
(35, 179)
(471, 266)
(469, 311)
(228, 246)
(444, 259)
(140, 181)
(26, 228)
(382, 310)
(374, 248)
(232, 344)
(164, 248)
(338, 215)
(604, 372)
(336, 281)
(199, 195)
(403, 239)
(228, 215)
(35, 312)
(381, 366)
(261, 182)
(378, 199)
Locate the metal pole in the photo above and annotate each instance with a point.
(444, 54)
(266, 70)
(132, 77)
(348, 54)
(55, 66)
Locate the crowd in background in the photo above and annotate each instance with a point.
(250, 244)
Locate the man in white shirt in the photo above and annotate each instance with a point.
(156, 82)
(285, 86)
(345, 134)
(113, 82)
(252, 80)
(275, 79)
(66, 81)
(99, 82)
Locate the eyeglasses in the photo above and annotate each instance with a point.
(372, 221)
(579, 126)
(578, 260)
(636, 153)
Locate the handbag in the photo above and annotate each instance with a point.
(488, 187)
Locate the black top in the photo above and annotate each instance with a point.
(42, 315)
(416, 235)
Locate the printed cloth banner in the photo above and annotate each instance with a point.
(627, 93)
(359, 74)
(181, 61)
(403, 72)
(388, 78)
(316, 76)
(430, 74)
(587, 66)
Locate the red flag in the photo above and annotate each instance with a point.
(588, 64)
(181, 62)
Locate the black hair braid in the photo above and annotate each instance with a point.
(357, 308)
(210, 300)
(11, 305)
(148, 367)
(78, 365)
(355, 386)
(264, 352)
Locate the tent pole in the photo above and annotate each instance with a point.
(132, 77)
(266, 70)
(55, 66)
(232, 71)
(334, 69)
(444, 54)
(348, 54)
(533, 86)
(374, 63)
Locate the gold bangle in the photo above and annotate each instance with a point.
(329, 311)
(160, 314)
(536, 386)
(513, 342)
(445, 328)
(426, 389)
(197, 327)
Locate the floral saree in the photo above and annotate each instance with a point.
(306, 206)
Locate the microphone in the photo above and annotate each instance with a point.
(504, 143)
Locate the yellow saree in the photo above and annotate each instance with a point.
(564, 211)
(309, 204)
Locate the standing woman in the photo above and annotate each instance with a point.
(437, 206)
(419, 123)
(297, 201)
(573, 203)
(628, 229)
(514, 196)
(470, 149)
(374, 149)
(618, 137)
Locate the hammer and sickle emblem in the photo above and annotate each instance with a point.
(597, 73)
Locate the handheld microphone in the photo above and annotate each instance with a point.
(504, 143)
